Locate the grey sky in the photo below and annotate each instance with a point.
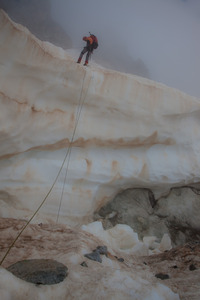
(159, 39)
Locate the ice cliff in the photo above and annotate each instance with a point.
(124, 131)
(101, 145)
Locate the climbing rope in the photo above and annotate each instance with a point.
(80, 105)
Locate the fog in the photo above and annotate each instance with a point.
(157, 39)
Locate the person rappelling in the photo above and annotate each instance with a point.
(92, 43)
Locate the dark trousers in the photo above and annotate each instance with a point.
(85, 49)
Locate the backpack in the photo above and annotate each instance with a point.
(95, 41)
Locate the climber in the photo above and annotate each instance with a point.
(92, 43)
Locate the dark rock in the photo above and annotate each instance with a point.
(152, 199)
(39, 271)
(138, 208)
(102, 250)
(120, 259)
(84, 264)
(94, 256)
(162, 276)
(175, 267)
(192, 267)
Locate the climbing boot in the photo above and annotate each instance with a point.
(86, 63)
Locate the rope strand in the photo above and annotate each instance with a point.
(80, 106)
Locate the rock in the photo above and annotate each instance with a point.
(102, 250)
(120, 259)
(174, 267)
(162, 276)
(39, 271)
(84, 264)
(94, 256)
(173, 221)
(192, 267)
